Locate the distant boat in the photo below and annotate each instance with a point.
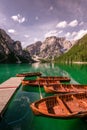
(26, 74)
(59, 78)
(63, 106)
(65, 88)
(38, 82)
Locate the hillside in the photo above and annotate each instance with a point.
(78, 53)
(11, 51)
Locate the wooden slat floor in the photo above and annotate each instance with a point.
(7, 89)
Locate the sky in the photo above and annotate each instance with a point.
(29, 21)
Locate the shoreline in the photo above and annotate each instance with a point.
(78, 62)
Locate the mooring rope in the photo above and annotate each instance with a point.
(40, 90)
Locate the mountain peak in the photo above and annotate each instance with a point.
(50, 47)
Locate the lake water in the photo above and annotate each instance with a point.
(19, 116)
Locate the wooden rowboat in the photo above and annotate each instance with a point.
(38, 82)
(28, 74)
(59, 78)
(62, 106)
(65, 88)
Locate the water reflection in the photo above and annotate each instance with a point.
(76, 72)
(19, 115)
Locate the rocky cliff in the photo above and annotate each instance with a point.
(34, 49)
(11, 51)
(50, 48)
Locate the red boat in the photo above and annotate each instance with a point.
(38, 82)
(59, 78)
(65, 88)
(28, 74)
(63, 106)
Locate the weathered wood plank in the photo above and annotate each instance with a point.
(12, 82)
(7, 89)
(5, 96)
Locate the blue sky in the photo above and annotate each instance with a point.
(33, 20)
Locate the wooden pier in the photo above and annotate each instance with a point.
(7, 89)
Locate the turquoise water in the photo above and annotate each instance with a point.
(19, 116)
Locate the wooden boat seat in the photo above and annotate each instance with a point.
(50, 109)
(51, 81)
(58, 87)
(47, 106)
(61, 108)
(68, 87)
(50, 104)
(77, 87)
(75, 103)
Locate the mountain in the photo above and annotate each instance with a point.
(34, 49)
(49, 48)
(11, 51)
(78, 53)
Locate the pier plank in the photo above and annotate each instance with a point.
(5, 96)
(7, 89)
(12, 82)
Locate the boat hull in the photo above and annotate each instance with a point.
(28, 74)
(37, 83)
(58, 78)
(62, 106)
(65, 88)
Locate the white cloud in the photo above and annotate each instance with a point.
(24, 44)
(35, 39)
(51, 33)
(18, 18)
(36, 18)
(68, 34)
(81, 23)
(73, 23)
(62, 24)
(74, 34)
(51, 8)
(80, 34)
(11, 31)
(26, 36)
(60, 31)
